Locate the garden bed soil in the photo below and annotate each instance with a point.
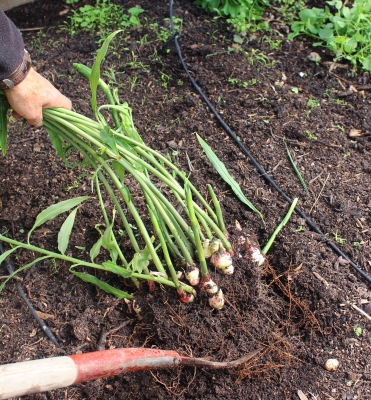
(294, 308)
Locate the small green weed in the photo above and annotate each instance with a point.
(310, 135)
(245, 84)
(312, 104)
(272, 44)
(358, 331)
(338, 127)
(165, 79)
(134, 63)
(338, 239)
(163, 33)
(101, 19)
(232, 81)
(256, 56)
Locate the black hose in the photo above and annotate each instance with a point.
(246, 152)
(42, 324)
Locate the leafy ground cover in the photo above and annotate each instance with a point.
(295, 308)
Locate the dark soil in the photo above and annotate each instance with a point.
(295, 309)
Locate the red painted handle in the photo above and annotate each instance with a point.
(101, 364)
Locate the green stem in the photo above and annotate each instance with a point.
(152, 215)
(85, 71)
(93, 137)
(279, 227)
(158, 171)
(63, 132)
(105, 216)
(196, 230)
(118, 185)
(130, 206)
(218, 210)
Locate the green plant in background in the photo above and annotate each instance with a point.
(101, 18)
(241, 14)
(346, 31)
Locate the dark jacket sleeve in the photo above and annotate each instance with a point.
(11, 47)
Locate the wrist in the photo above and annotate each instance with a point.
(19, 74)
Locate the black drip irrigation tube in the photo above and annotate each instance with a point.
(42, 324)
(247, 153)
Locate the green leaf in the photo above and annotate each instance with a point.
(325, 33)
(135, 11)
(102, 285)
(295, 168)
(297, 26)
(21, 269)
(95, 71)
(109, 243)
(350, 45)
(57, 143)
(340, 39)
(65, 231)
(8, 253)
(4, 106)
(366, 63)
(141, 260)
(55, 210)
(95, 250)
(108, 139)
(125, 192)
(223, 172)
(116, 269)
(310, 14)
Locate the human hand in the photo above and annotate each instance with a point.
(34, 93)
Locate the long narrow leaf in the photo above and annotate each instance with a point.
(95, 71)
(8, 253)
(4, 106)
(57, 143)
(21, 269)
(65, 231)
(95, 250)
(55, 210)
(223, 172)
(102, 285)
(296, 169)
